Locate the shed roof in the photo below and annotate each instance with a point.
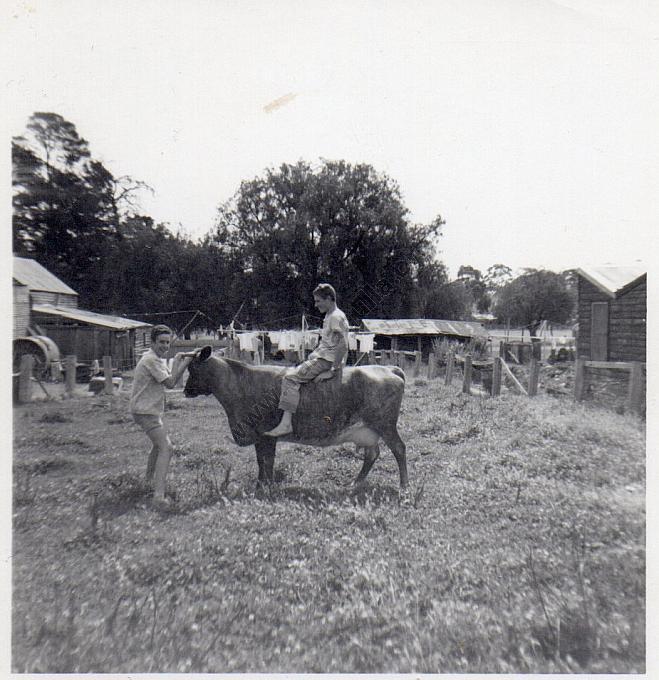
(613, 280)
(104, 320)
(424, 327)
(36, 277)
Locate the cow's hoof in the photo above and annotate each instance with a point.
(263, 490)
(405, 498)
(162, 505)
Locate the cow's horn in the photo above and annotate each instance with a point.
(204, 353)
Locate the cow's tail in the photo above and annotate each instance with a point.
(398, 371)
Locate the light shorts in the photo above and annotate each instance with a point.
(147, 421)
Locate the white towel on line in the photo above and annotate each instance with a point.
(246, 341)
(366, 342)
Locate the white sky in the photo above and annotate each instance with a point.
(529, 125)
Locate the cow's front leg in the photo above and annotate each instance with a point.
(265, 457)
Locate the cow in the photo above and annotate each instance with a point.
(362, 408)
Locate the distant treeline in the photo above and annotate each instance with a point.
(271, 243)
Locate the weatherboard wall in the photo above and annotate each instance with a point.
(41, 297)
(626, 324)
(88, 342)
(21, 309)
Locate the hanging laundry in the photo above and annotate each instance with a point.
(352, 341)
(274, 337)
(366, 342)
(311, 339)
(247, 341)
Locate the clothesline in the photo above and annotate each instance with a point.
(298, 341)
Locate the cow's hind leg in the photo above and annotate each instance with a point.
(265, 457)
(397, 445)
(371, 454)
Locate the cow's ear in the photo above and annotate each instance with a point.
(204, 353)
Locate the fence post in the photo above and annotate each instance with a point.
(450, 360)
(25, 379)
(466, 380)
(635, 394)
(431, 365)
(70, 363)
(496, 377)
(579, 379)
(55, 371)
(107, 372)
(417, 363)
(533, 377)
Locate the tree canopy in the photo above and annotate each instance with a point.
(299, 225)
(534, 297)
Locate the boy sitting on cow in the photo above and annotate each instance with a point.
(324, 362)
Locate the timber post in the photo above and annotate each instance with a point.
(579, 379)
(466, 380)
(25, 379)
(431, 365)
(417, 363)
(533, 377)
(635, 393)
(107, 372)
(450, 361)
(496, 377)
(70, 363)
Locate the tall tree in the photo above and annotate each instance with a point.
(497, 276)
(474, 283)
(67, 207)
(299, 225)
(451, 300)
(534, 297)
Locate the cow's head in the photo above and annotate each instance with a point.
(199, 377)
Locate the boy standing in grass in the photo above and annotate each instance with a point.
(147, 405)
(326, 358)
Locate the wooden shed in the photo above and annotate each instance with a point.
(612, 311)
(91, 336)
(417, 334)
(21, 309)
(43, 287)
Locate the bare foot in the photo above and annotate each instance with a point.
(279, 431)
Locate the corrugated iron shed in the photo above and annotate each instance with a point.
(104, 320)
(395, 327)
(31, 274)
(612, 280)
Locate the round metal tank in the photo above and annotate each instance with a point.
(43, 349)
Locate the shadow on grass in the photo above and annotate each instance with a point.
(363, 495)
(41, 467)
(115, 496)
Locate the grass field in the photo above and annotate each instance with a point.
(522, 550)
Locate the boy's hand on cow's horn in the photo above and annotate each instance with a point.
(184, 358)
